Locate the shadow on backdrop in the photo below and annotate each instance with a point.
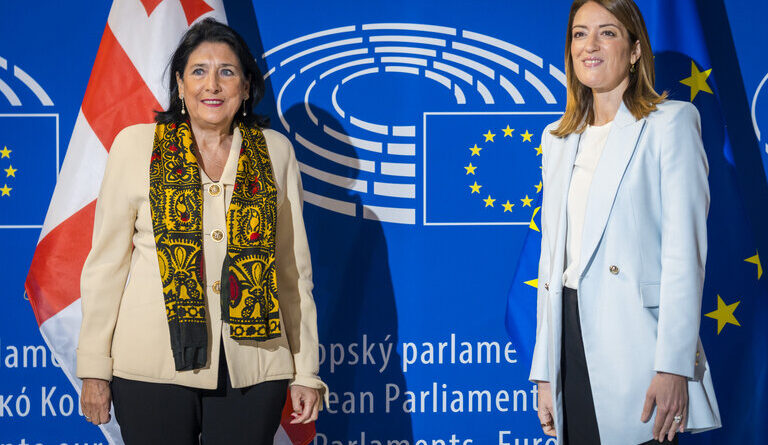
(353, 285)
(356, 305)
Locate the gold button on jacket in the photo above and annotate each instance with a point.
(614, 270)
(124, 330)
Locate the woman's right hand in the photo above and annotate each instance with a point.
(95, 400)
(546, 411)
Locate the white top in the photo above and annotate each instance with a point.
(590, 149)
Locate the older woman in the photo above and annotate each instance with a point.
(617, 358)
(196, 294)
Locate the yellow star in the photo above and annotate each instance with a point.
(533, 283)
(508, 206)
(538, 187)
(724, 314)
(489, 136)
(697, 81)
(475, 187)
(470, 169)
(527, 136)
(526, 201)
(489, 201)
(532, 224)
(10, 171)
(6, 190)
(507, 131)
(5, 153)
(475, 150)
(538, 150)
(756, 260)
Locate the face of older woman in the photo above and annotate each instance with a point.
(600, 49)
(213, 86)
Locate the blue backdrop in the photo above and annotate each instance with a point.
(419, 147)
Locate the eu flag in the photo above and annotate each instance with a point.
(482, 168)
(735, 304)
(28, 166)
(520, 318)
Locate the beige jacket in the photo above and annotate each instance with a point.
(124, 331)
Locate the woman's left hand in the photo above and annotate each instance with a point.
(669, 392)
(306, 404)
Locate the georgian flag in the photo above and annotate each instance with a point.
(125, 87)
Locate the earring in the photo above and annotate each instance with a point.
(632, 68)
(244, 112)
(183, 111)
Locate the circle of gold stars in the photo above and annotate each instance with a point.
(10, 172)
(471, 169)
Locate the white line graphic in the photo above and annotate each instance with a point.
(508, 64)
(373, 128)
(410, 27)
(401, 69)
(390, 214)
(315, 35)
(404, 60)
(395, 190)
(355, 142)
(336, 103)
(345, 66)
(514, 49)
(463, 75)
(483, 90)
(405, 50)
(359, 73)
(334, 205)
(539, 85)
(280, 101)
(398, 169)
(320, 48)
(339, 181)
(306, 104)
(354, 52)
(408, 39)
(32, 85)
(359, 164)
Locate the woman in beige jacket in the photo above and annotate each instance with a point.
(196, 295)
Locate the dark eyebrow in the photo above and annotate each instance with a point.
(600, 26)
(204, 65)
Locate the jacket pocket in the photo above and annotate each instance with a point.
(649, 293)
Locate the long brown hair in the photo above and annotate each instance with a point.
(640, 97)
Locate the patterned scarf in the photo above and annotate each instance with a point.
(248, 277)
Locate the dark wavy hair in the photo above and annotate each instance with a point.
(209, 30)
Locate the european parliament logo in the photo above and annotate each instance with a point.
(29, 147)
(383, 117)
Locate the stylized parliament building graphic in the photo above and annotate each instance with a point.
(29, 149)
(416, 123)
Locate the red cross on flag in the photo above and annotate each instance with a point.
(125, 87)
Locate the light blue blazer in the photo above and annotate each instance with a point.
(641, 275)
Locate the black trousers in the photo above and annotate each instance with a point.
(579, 420)
(164, 414)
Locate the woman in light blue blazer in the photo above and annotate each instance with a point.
(618, 358)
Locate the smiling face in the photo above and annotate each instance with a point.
(600, 49)
(213, 86)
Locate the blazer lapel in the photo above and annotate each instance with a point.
(621, 144)
(559, 178)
